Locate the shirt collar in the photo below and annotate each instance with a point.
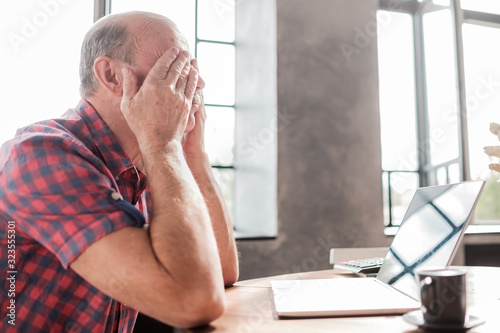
(114, 156)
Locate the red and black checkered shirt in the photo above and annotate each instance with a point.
(56, 182)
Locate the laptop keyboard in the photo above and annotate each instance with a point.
(365, 266)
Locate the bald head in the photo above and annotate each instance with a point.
(121, 37)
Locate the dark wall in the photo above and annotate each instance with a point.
(482, 255)
(329, 154)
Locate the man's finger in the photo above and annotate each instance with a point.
(198, 96)
(183, 78)
(130, 87)
(161, 68)
(175, 70)
(194, 63)
(191, 84)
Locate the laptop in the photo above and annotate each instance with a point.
(429, 236)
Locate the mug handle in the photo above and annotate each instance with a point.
(424, 291)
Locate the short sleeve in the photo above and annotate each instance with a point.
(61, 194)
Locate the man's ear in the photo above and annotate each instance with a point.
(108, 72)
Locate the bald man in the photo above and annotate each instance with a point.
(112, 208)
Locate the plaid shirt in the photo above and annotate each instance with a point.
(58, 180)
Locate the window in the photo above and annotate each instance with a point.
(398, 121)
(437, 58)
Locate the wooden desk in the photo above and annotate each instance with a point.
(250, 308)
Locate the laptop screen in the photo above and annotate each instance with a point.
(429, 233)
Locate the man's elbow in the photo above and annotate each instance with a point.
(202, 310)
(231, 276)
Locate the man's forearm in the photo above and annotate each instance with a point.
(181, 233)
(170, 271)
(219, 217)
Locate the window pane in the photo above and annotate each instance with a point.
(219, 135)
(403, 185)
(482, 80)
(454, 173)
(217, 68)
(225, 180)
(39, 59)
(488, 209)
(441, 2)
(216, 20)
(181, 12)
(441, 177)
(488, 6)
(441, 87)
(402, 193)
(397, 91)
(482, 76)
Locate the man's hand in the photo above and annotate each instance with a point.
(193, 146)
(157, 112)
(494, 151)
(193, 142)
